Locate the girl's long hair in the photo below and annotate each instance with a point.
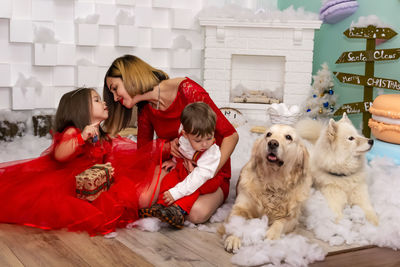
(138, 78)
(74, 110)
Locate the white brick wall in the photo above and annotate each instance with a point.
(238, 53)
(157, 23)
(58, 66)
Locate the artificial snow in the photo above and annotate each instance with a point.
(124, 18)
(369, 20)
(292, 249)
(232, 11)
(44, 35)
(146, 224)
(90, 19)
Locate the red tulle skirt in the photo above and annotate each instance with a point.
(41, 192)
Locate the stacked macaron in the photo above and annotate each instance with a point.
(385, 121)
(334, 11)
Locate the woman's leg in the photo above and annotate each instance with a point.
(205, 206)
(145, 196)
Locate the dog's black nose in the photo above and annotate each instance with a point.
(371, 142)
(273, 144)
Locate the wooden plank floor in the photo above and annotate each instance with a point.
(25, 246)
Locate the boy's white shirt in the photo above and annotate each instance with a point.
(206, 166)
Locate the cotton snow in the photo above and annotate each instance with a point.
(292, 250)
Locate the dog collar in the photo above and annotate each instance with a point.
(338, 174)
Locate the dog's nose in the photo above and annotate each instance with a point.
(371, 142)
(273, 144)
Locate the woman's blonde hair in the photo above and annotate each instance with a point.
(138, 78)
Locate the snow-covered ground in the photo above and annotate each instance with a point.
(293, 250)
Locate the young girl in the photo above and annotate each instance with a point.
(41, 192)
(180, 188)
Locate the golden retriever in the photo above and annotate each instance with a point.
(275, 182)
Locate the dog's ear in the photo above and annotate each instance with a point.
(345, 117)
(256, 152)
(305, 162)
(332, 129)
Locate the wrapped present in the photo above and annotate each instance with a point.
(93, 181)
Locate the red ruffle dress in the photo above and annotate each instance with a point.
(165, 123)
(41, 192)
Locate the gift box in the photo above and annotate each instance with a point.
(93, 181)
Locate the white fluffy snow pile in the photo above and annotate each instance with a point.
(232, 11)
(291, 250)
(384, 189)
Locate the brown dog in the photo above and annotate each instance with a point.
(275, 182)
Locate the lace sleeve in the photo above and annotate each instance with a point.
(145, 128)
(68, 145)
(194, 93)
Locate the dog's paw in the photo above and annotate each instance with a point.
(372, 218)
(232, 243)
(272, 234)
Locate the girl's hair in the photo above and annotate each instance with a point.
(198, 119)
(138, 77)
(74, 110)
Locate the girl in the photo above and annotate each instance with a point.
(130, 81)
(41, 192)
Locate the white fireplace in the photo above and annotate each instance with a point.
(250, 64)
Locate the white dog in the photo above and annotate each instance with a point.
(337, 163)
(275, 182)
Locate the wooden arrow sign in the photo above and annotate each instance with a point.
(370, 32)
(367, 81)
(369, 56)
(353, 108)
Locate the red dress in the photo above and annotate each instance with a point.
(165, 123)
(41, 192)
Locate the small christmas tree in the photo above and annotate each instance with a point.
(322, 101)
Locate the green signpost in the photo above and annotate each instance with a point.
(369, 56)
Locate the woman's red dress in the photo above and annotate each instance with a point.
(41, 192)
(165, 123)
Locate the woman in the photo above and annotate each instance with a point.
(130, 81)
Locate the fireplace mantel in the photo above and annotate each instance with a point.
(288, 43)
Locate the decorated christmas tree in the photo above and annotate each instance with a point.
(322, 100)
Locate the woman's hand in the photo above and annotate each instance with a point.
(90, 131)
(168, 165)
(188, 165)
(175, 148)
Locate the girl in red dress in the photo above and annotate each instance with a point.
(41, 192)
(130, 81)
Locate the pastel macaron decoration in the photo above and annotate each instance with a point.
(385, 120)
(334, 11)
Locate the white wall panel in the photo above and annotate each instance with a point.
(78, 52)
(22, 9)
(21, 31)
(43, 10)
(5, 98)
(5, 8)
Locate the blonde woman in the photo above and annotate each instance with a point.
(130, 81)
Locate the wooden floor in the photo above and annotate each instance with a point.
(25, 246)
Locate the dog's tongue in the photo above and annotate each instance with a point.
(271, 157)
